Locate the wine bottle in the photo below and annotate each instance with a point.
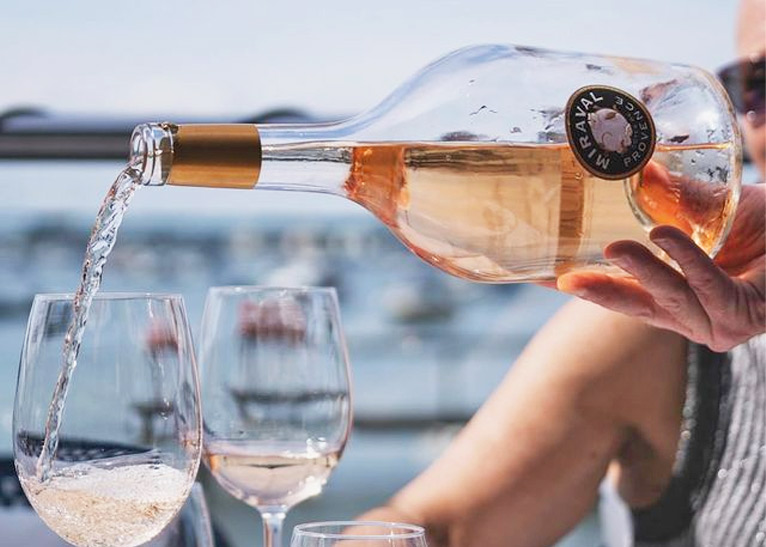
(497, 163)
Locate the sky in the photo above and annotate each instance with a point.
(332, 56)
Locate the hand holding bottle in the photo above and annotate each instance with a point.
(720, 302)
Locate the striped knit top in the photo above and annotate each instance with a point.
(717, 495)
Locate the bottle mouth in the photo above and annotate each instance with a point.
(213, 155)
(151, 152)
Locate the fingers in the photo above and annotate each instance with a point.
(668, 288)
(712, 287)
(620, 295)
(624, 296)
(697, 304)
(701, 302)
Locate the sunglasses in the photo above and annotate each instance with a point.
(745, 82)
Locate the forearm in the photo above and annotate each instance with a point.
(527, 467)
(526, 487)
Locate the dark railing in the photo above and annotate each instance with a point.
(34, 134)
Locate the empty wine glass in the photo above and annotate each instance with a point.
(276, 394)
(358, 534)
(130, 437)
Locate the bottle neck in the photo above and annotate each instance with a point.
(304, 157)
(297, 157)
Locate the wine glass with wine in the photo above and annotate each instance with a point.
(128, 444)
(192, 526)
(276, 395)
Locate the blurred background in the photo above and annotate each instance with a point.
(426, 349)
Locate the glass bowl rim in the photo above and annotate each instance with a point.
(229, 290)
(109, 295)
(411, 531)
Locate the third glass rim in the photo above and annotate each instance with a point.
(313, 529)
(110, 295)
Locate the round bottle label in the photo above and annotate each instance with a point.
(610, 132)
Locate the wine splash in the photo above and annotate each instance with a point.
(100, 244)
(123, 503)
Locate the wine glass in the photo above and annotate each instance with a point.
(130, 435)
(276, 395)
(191, 527)
(358, 534)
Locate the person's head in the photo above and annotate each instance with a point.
(751, 47)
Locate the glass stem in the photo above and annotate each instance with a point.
(272, 528)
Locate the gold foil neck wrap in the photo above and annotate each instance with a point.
(216, 155)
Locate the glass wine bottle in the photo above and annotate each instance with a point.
(497, 163)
